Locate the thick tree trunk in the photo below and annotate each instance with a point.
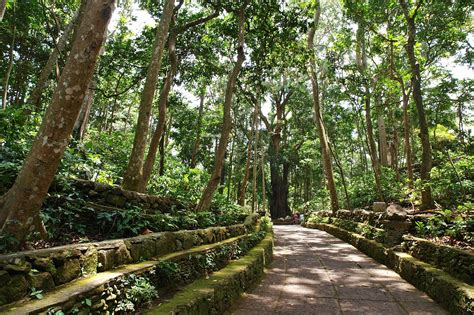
(42, 83)
(323, 138)
(208, 192)
(426, 157)
(134, 172)
(279, 207)
(20, 206)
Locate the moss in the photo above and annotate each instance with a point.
(15, 289)
(89, 261)
(215, 294)
(41, 280)
(68, 272)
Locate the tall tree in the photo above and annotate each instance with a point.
(410, 15)
(134, 172)
(362, 65)
(20, 206)
(208, 193)
(318, 117)
(163, 100)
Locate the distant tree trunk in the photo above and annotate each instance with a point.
(383, 144)
(426, 158)
(231, 168)
(343, 177)
(20, 206)
(6, 79)
(208, 192)
(161, 170)
(264, 185)
(279, 168)
(323, 138)
(82, 121)
(243, 186)
(197, 142)
(3, 5)
(42, 83)
(134, 172)
(362, 64)
(255, 153)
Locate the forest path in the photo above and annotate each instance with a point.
(316, 273)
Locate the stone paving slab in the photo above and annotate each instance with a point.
(315, 273)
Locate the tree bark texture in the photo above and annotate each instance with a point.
(208, 193)
(3, 5)
(20, 206)
(134, 172)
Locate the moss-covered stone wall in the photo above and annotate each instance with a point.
(47, 268)
(216, 294)
(457, 262)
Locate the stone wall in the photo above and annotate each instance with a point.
(115, 196)
(394, 221)
(457, 262)
(47, 268)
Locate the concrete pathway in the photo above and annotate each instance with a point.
(316, 273)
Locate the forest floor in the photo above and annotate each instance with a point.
(316, 273)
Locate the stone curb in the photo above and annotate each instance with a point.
(216, 294)
(456, 296)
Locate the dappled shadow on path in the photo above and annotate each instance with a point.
(316, 273)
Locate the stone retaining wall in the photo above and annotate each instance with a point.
(457, 262)
(216, 294)
(115, 196)
(394, 221)
(47, 268)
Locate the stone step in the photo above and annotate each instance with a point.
(83, 287)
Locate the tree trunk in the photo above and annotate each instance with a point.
(42, 84)
(255, 153)
(243, 186)
(20, 206)
(426, 157)
(3, 5)
(197, 142)
(383, 145)
(163, 101)
(323, 139)
(134, 172)
(9, 70)
(83, 119)
(208, 192)
(264, 186)
(362, 64)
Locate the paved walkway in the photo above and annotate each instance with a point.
(316, 273)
